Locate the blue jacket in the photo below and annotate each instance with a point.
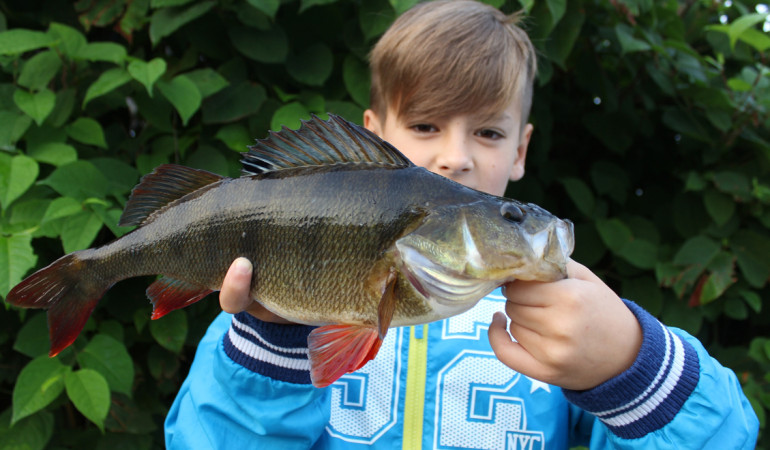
(440, 386)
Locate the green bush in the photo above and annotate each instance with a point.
(651, 134)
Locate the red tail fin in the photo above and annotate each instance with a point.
(67, 291)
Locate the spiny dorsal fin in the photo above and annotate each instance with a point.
(167, 183)
(320, 143)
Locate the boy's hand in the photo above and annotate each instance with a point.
(235, 296)
(574, 333)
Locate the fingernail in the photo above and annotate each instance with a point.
(242, 265)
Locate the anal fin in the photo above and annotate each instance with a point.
(338, 349)
(168, 294)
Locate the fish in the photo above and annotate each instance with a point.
(344, 233)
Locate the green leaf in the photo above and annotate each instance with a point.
(16, 176)
(753, 300)
(61, 207)
(16, 258)
(557, 9)
(348, 110)
(614, 233)
(70, 39)
(374, 19)
(207, 80)
(54, 153)
(312, 66)
(733, 183)
(698, 250)
(148, 72)
(32, 339)
(640, 253)
(80, 230)
(269, 7)
(563, 38)
(208, 158)
(290, 116)
(305, 4)
(31, 433)
(120, 176)
(271, 46)
(106, 83)
(13, 125)
(167, 20)
(110, 358)
(87, 131)
(90, 394)
(233, 103)
(719, 206)
(39, 70)
(183, 94)
(38, 105)
(743, 23)
(170, 331)
(103, 51)
(355, 75)
(79, 180)
(401, 6)
(38, 384)
(167, 3)
(16, 41)
(755, 38)
(751, 249)
(720, 278)
(580, 194)
(628, 43)
(235, 136)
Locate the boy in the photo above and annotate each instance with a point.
(451, 88)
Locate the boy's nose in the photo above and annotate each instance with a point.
(455, 158)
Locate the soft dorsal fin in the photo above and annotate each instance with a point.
(167, 183)
(320, 143)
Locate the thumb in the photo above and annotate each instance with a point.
(508, 351)
(234, 296)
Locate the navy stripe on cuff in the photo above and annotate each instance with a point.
(651, 392)
(277, 351)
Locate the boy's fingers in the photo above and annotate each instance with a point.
(234, 296)
(510, 353)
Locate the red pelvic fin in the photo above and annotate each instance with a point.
(163, 186)
(168, 294)
(68, 291)
(338, 349)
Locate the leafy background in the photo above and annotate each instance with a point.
(651, 134)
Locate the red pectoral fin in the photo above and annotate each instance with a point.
(338, 349)
(168, 294)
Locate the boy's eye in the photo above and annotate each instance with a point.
(423, 128)
(489, 134)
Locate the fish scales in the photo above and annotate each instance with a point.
(346, 234)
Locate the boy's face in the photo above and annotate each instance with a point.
(479, 152)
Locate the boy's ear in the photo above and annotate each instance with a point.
(517, 171)
(372, 122)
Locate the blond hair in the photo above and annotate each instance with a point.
(444, 58)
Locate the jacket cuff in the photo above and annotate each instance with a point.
(648, 395)
(278, 351)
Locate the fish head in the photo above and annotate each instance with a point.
(459, 253)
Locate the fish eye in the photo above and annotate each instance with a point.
(512, 213)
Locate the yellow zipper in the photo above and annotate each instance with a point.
(414, 405)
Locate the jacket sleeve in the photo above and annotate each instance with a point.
(249, 386)
(674, 396)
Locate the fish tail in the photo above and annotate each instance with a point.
(69, 289)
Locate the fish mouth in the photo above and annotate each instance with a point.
(555, 243)
(446, 287)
